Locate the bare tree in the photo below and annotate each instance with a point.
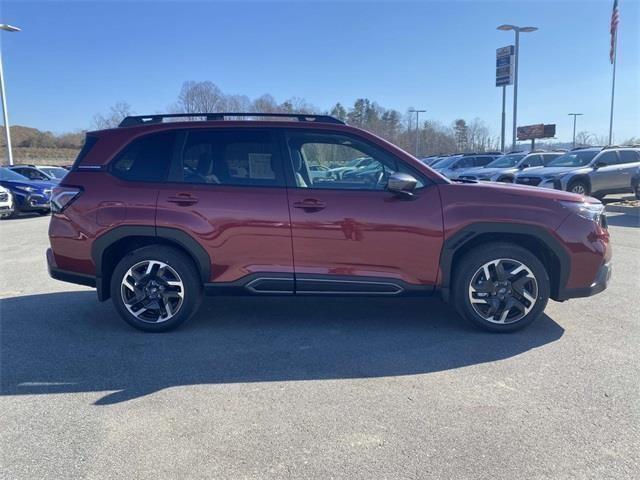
(113, 118)
(197, 97)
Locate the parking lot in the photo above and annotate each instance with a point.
(314, 387)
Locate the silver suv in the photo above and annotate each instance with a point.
(591, 171)
(504, 168)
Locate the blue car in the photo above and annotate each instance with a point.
(28, 195)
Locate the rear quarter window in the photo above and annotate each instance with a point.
(146, 159)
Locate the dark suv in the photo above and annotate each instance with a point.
(155, 213)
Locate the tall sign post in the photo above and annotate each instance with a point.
(504, 77)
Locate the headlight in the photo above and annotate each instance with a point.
(26, 189)
(590, 211)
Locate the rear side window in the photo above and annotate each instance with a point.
(218, 157)
(146, 159)
(628, 156)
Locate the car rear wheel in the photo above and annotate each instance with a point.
(156, 288)
(579, 187)
(501, 287)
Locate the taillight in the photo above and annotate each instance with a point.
(61, 197)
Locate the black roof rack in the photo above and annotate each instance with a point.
(207, 117)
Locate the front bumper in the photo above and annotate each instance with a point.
(599, 284)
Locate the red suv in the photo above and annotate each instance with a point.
(161, 210)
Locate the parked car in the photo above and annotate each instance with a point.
(635, 183)
(28, 195)
(153, 227)
(457, 165)
(319, 171)
(587, 171)
(504, 168)
(53, 172)
(6, 203)
(34, 173)
(350, 166)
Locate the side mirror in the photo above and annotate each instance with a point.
(597, 165)
(524, 165)
(402, 184)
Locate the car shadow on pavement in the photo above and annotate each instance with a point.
(624, 220)
(69, 342)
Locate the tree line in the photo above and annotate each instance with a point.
(392, 125)
(399, 128)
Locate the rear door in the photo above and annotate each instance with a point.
(226, 189)
(629, 163)
(350, 235)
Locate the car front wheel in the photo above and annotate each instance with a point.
(501, 287)
(156, 288)
(579, 187)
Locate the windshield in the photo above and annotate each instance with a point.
(55, 172)
(11, 176)
(506, 161)
(573, 159)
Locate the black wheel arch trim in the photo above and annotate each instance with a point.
(173, 235)
(461, 238)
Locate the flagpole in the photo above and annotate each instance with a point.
(613, 83)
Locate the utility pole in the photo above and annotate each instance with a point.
(6, 28)
(417, 112)
(574, 127)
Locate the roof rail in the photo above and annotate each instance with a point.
(159, 118)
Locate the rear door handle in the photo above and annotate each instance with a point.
(310, 205)
(183, 199)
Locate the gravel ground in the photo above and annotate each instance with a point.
(314, 388)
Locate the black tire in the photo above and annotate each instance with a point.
(580, 187)
(467, 271)
(184, 269)
(636, 190)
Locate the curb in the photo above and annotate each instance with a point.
(623, 209)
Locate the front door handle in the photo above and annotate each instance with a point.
(183, 199)
(310, 205)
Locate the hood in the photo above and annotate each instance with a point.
(527, 192)
(549, 171)
(40, 186)
(489, 172)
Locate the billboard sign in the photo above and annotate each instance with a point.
(540, 130)
(504, 65)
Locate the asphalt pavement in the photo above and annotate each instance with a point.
(273, 388)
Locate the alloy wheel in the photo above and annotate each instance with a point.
(152, 291)
(579, 189)
(503, 291)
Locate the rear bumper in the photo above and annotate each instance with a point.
(599, 284)
(67, 276)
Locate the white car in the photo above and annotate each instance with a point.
(6, 203)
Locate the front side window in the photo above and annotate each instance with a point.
(608, 158)
(145, 159)
(532, 160)
(219, 157)
(549, 158)
(347, 163)
(465, 162)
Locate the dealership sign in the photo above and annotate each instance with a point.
(504, 66)
(540, 130)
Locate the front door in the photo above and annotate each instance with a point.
(350, 235)
(227, 191)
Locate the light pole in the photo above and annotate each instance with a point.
(417, 112)
(6, 28)
(515, 73)
(574, 127)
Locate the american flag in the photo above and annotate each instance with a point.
(615, 18)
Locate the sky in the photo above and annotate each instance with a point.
(74, 59)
